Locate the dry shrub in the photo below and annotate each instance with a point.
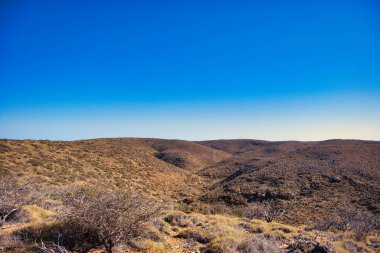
(222, 245)
(360, 222)
(159, 225)
(196, 234)
(263, 210)
(112, 218)
(249, 228)
(93, 218)
(51, 248)
(178, 219)
(303, 244)
(258, 245)
(68, 235)
(12, 197)
(10, 242)
(155, 247)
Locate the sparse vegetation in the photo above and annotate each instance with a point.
(248, 196)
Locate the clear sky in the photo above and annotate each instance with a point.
(276, 70)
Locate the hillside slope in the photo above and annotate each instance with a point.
(312, 181)
(141, 164)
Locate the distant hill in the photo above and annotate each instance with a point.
(259, 147)
(146, 165)
(311, 180)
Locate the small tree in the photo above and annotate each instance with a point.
(113, 217)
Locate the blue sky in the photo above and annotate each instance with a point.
(276, 70)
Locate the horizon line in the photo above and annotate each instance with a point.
(176, 139)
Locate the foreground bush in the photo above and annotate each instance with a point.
(112, 218)
(90, 219)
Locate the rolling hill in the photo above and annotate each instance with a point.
(311, 183)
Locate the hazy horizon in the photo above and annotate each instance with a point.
(196, 71)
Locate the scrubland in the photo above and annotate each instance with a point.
(227, 196)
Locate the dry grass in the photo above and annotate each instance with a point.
(223, 233)
(36, 213)
(113, 163)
